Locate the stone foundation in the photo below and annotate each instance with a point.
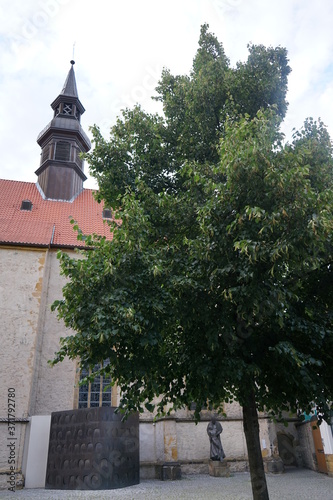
(200, 467)
(151, 470)
(170, 471)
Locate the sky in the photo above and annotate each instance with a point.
(121, 47)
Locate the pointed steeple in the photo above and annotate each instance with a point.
(60, 175)
(69, 95)
(69, 87)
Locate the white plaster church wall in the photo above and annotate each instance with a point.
(183, 441)
(193, 442)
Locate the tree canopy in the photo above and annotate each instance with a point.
(195, 108)
(217, 285)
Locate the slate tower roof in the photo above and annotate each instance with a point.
(63, 140)
(69, 87)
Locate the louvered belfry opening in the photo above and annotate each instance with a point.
(45, 153)
(61, 172)
(62, 151)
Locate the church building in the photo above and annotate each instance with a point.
(35, 223)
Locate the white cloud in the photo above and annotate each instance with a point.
(121, 47)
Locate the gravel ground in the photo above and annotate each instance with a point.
(294, 484)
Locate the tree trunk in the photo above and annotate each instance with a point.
(251, 430)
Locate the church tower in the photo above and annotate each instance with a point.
(61, 175)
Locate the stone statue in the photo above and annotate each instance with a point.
(214, 430)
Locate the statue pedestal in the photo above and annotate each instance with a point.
(274, 465)
(219, 469)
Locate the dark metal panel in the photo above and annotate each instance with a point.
(92, 449)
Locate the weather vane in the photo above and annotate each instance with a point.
(73, 50)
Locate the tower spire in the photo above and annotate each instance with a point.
(60, 175)
(69, 87)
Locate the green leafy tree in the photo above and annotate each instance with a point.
(217, 285)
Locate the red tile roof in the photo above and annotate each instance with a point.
(48, 223)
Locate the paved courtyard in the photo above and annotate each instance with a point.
(294, 484)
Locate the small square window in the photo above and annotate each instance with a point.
(26, 205)
(107, 213)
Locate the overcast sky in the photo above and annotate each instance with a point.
(121, 48)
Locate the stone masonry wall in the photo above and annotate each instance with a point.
(308, 451)
(54, 387)
(30, 334)
(22, 276)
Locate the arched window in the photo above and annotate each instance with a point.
(95, 393)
